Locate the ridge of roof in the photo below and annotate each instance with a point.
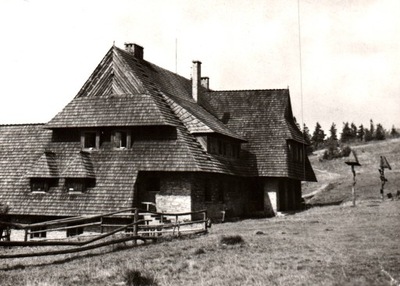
(247, 90)
(22, 124)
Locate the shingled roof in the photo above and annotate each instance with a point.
(265, 119)
(128, 91)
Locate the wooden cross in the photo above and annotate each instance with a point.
(352, 164)
(384, 164)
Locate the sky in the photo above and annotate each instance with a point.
(340, 59)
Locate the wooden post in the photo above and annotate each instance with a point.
(353, 163)
(26, 235)
(101, 225)
(135, 220)
(205, 221)
(353, 191)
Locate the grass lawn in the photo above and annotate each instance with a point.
(331, 245)
(335, 245)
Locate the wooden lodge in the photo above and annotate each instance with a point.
(137, 133)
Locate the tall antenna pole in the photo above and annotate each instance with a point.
(301, 88)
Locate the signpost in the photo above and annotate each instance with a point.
(352, 164)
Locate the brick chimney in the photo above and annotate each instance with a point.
(135, 50)
(196, 80)
(205, 82)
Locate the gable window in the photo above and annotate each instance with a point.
(90, 140)
(121, 139)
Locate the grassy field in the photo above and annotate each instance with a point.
(331, 245)
(335, 178)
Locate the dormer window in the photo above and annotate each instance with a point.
(78, 185)
(226, 148)
(90, 140)
(121, 139)
(42, 185)
(39, 185)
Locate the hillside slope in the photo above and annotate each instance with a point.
(335, 177)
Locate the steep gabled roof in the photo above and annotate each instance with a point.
(128, 91)
(265, 119)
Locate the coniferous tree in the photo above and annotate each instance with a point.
(394, 133)
(380, 132)
(372, 129)
(333, 132)
(346, 133)
(367, 135)
(295, 122)
(318, 136)
(307, 138)
(360, 132)
(353, 128)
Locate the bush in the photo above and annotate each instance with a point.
(232, 240)
(134, 278)
(333, 152)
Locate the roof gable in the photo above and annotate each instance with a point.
(80, 166)
(45, 167)
(111, 77)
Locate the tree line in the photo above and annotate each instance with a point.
(350, 133)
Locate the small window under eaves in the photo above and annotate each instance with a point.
(121, 139)
(90, 140)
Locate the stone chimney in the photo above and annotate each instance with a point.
(205, 82)
(135, 50)
(196, 80)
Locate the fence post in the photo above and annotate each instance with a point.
(135, 220)
(205, 221)
(26, 235)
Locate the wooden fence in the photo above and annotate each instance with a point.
(143, 226)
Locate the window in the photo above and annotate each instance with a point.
(42, 185)
(38, 232)
(77, 185)
(207, 191)
(39, 185)
(74, 231)
(90, 140)
(223, 147)
(121, 139)
(296, 151)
